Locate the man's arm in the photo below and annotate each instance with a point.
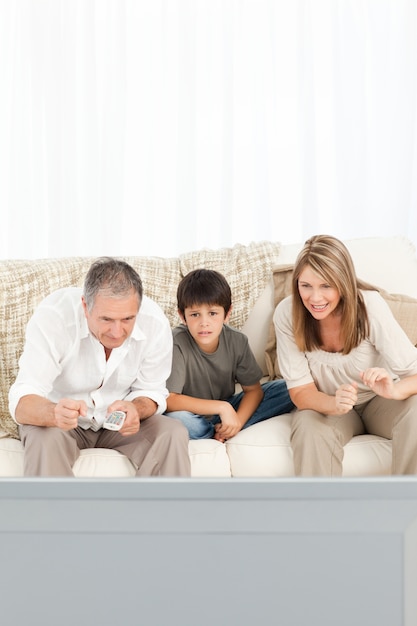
(149, 389)
(37, 411)
(146, 407)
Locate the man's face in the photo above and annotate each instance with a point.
(111, 320)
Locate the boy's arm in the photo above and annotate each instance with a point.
(199, 406)
(230, 421)
(251, 399)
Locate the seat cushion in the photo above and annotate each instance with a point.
(208, 459)
(367, 455)
(264, 450)
(11, 457)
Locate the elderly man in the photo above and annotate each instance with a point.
(88, 353)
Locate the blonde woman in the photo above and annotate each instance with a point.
(349, 367)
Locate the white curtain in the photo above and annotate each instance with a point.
(155, 127)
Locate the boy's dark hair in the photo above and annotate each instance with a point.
(202, 286)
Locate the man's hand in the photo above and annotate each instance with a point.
(67, 412)
(132, 422)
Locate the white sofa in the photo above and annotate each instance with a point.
(254, 272)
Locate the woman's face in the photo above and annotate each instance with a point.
(319, 298)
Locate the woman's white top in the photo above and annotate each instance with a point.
(387, 346)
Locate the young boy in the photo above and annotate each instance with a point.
(209, 358)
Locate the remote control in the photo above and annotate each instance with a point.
(115, 420)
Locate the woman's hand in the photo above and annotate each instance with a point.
(346, 397)
(378, 379)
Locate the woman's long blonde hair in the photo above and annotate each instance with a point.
(330, 260)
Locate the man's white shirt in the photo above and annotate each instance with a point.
(62, 359)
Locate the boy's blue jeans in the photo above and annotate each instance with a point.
(276, 401)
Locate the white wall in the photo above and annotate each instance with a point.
(161, 126)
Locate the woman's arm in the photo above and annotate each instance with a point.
(381, 383)
(309, 397)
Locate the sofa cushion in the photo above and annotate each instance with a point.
(247, 269)
(11, 457)
(208, 459)
(24, 283)
(403, 307)
(282, 288)
(160, 278)
(264, 450)
(367, 455)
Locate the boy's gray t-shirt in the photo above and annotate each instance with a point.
(212, 376)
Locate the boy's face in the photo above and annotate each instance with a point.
(205, 323)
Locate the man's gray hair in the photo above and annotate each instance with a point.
(113, 277)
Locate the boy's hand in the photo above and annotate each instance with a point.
(230, 423)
